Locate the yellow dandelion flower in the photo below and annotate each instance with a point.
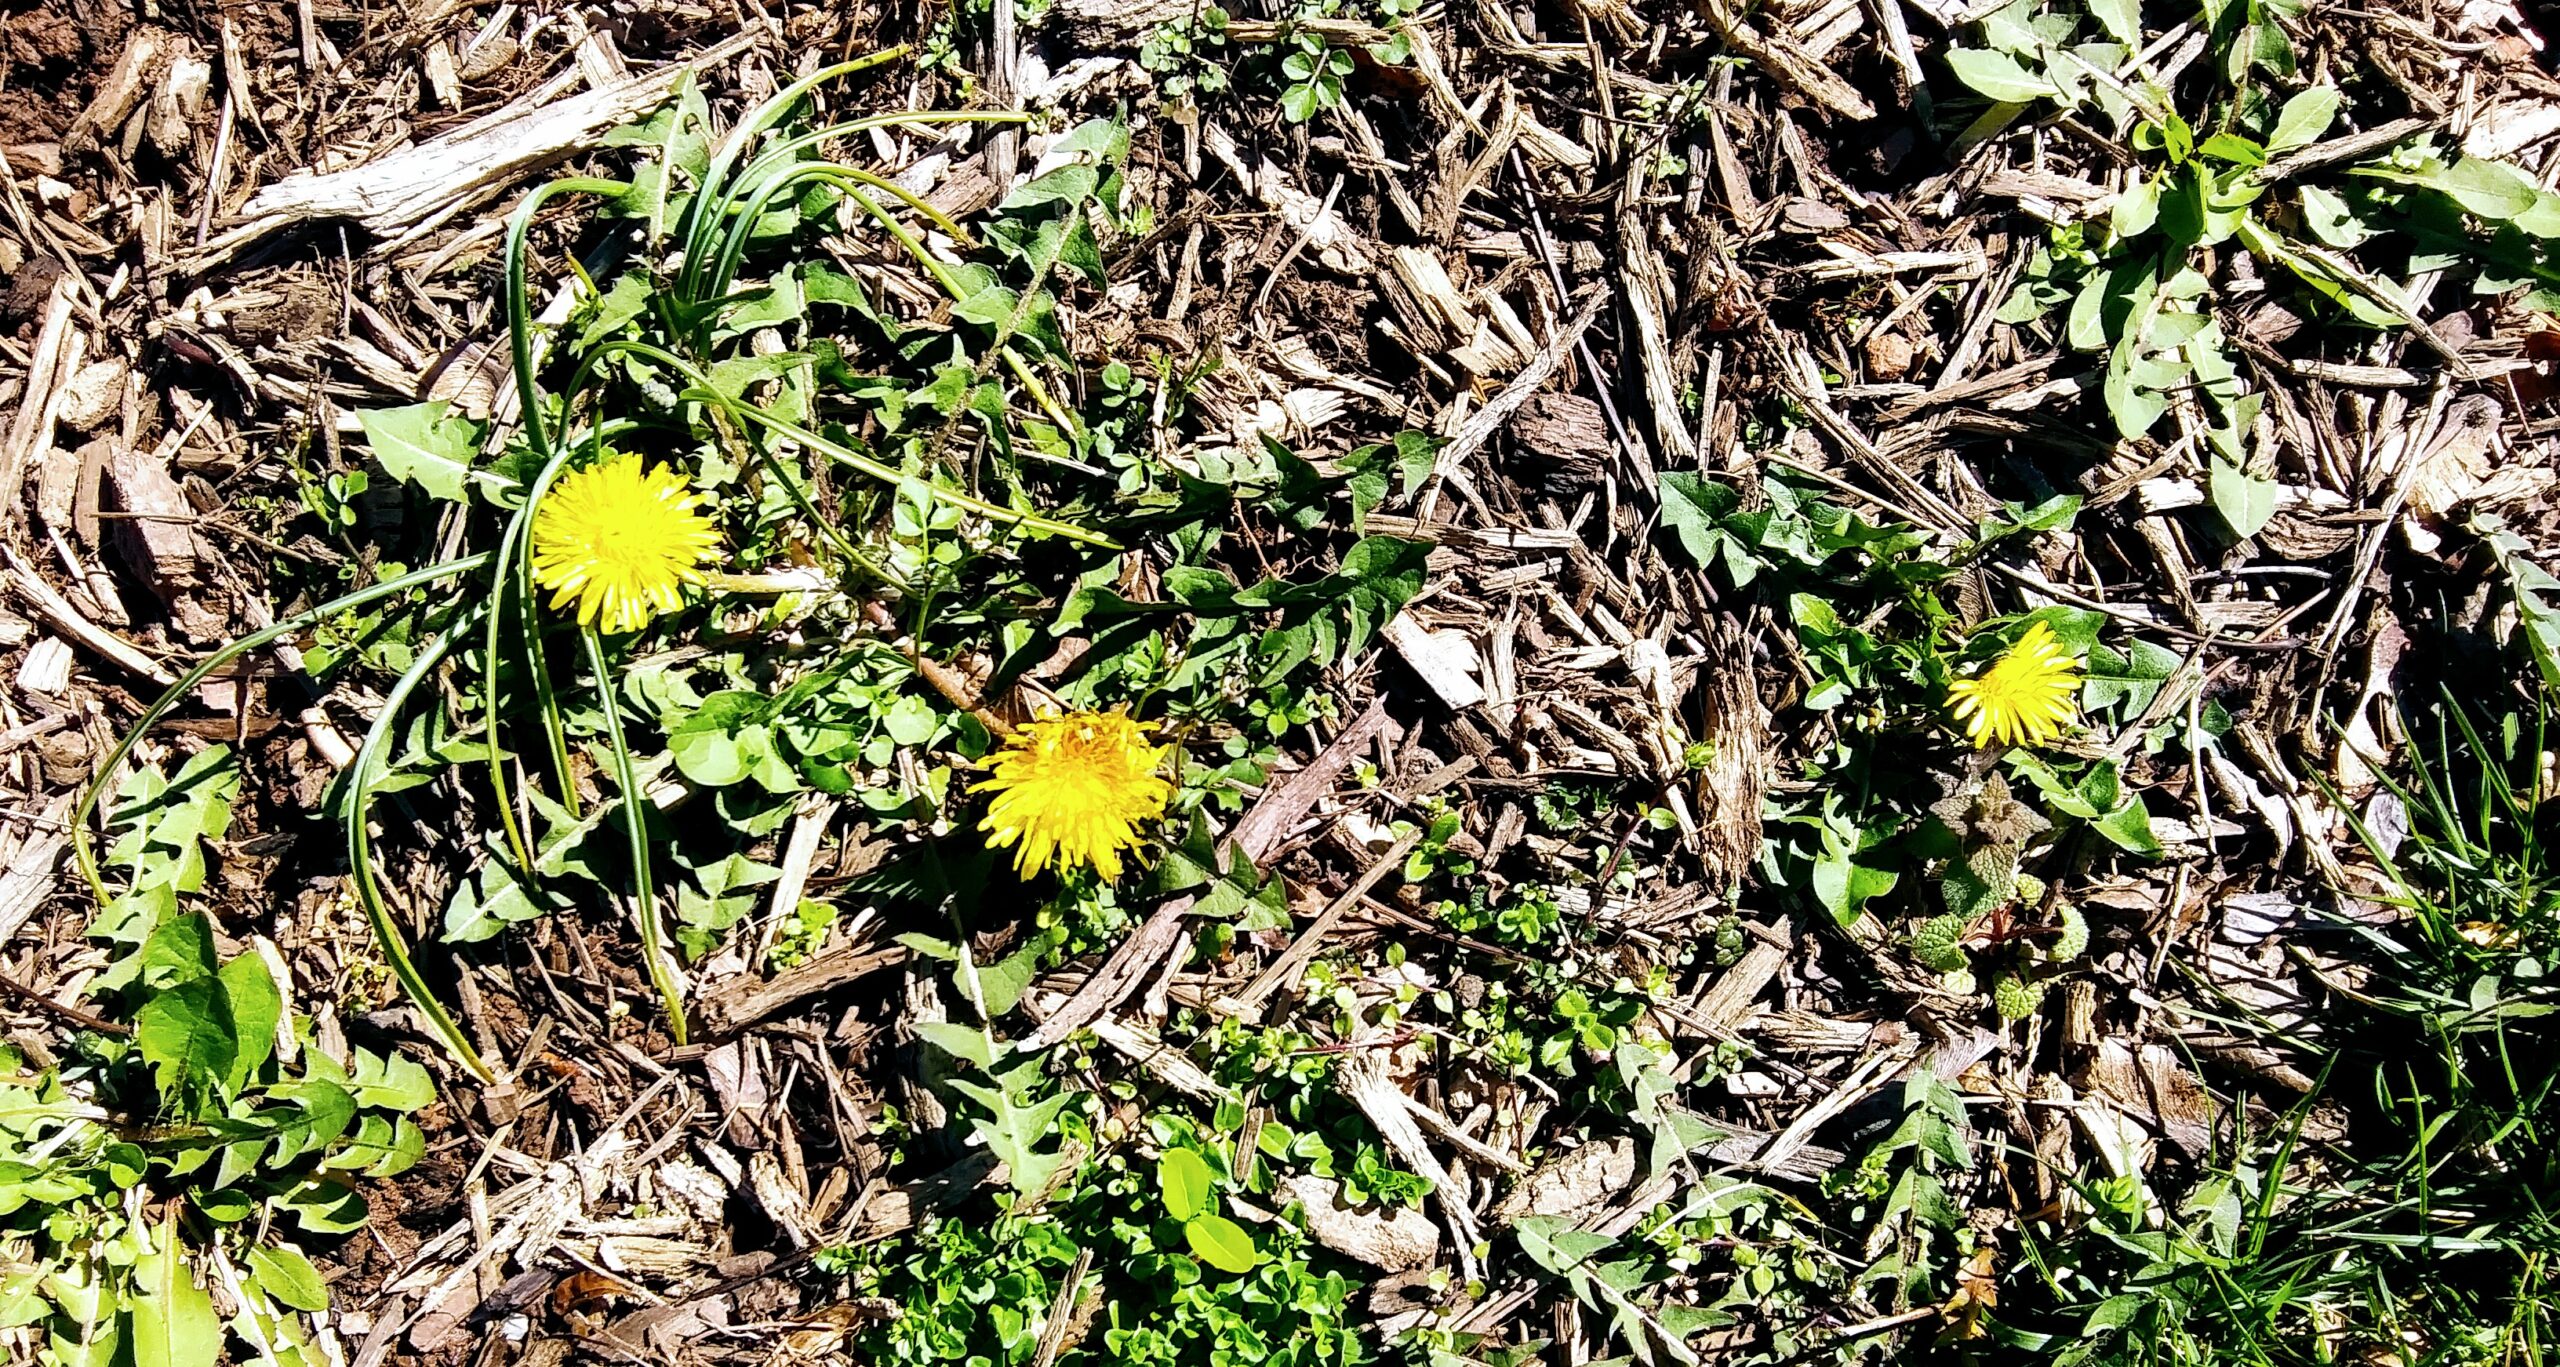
(1071, 791)
(2027, 695)
(620, 541)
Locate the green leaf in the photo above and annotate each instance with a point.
(1190, 1188)
(256, 1007)
(1015, 1132)
(484, 906)
(2490, 189)
(2122, 19)
(1222, 1244)
(289, 1278)
(421, 446)
(185, 1035)
(1068, 185)
(2233, 149)
(1694, 507)
(1998, 75)
(1844, 886)
(966, 1043)
(179, 952)
(1939, 944)
(1002, 983)
(325, 1206)
(615, 308)
(2129, 826)
(2244, 500)
(2537, 596)
(172, 1317)
(2305, 118)
(2132, 677)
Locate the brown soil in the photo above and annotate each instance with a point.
(52, 55)
(22, 293)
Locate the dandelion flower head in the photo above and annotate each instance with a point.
(1071, 791)
(620, 541)
(2027, 696)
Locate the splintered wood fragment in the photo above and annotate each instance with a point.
(49, 367)
(27, 864)
(1851, 263)
(1727, 1001)
(1489, 419)
(146, 54)
(1140, 1046)
(157, 538)
(1572, 1183)
(406, 187)
(54, 608)
(1735, 775)
(1335, 242)
(1366, 1086)
(1284, 970)
(1257, 833)
(745, 1003)
(1446, 660)
(1787, 62)
(1386, 1236)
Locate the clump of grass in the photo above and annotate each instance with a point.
(2425, 1232)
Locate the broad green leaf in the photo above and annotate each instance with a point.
(615, 308)
(2244, 500)
(1190, 1188)
(391, 1082)
(325, 1206)
(2234, 150)
(2537, 596)
(2305, 118)
(179, 952)
(289, 1278)
(256, 1008)
(2133, 677)
(966, 1043)
(485, 905)
(2122, 19)
(421, 446)
(1998, 76)
(185, 1035)
(1222, 1244)
(1068, 185)
(1016, 1133)
(1000, 985)
(2136, 210)
(2490, 189)
(1695, 507)
(1844, 886)
(2129, 826)
(172, 1317)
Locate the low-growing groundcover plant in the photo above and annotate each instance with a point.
(712, 575)
(163, 1183)
(768, 538)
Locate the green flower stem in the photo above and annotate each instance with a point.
(370, 768)
(84, 850)
(635, 825)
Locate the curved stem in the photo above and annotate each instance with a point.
(845, 455)
(84, 849)
(370, 768)
(635, 826)
(711, 199)
(519, 308)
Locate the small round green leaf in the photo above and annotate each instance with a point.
(1190, 1188)
(1222, 1244)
